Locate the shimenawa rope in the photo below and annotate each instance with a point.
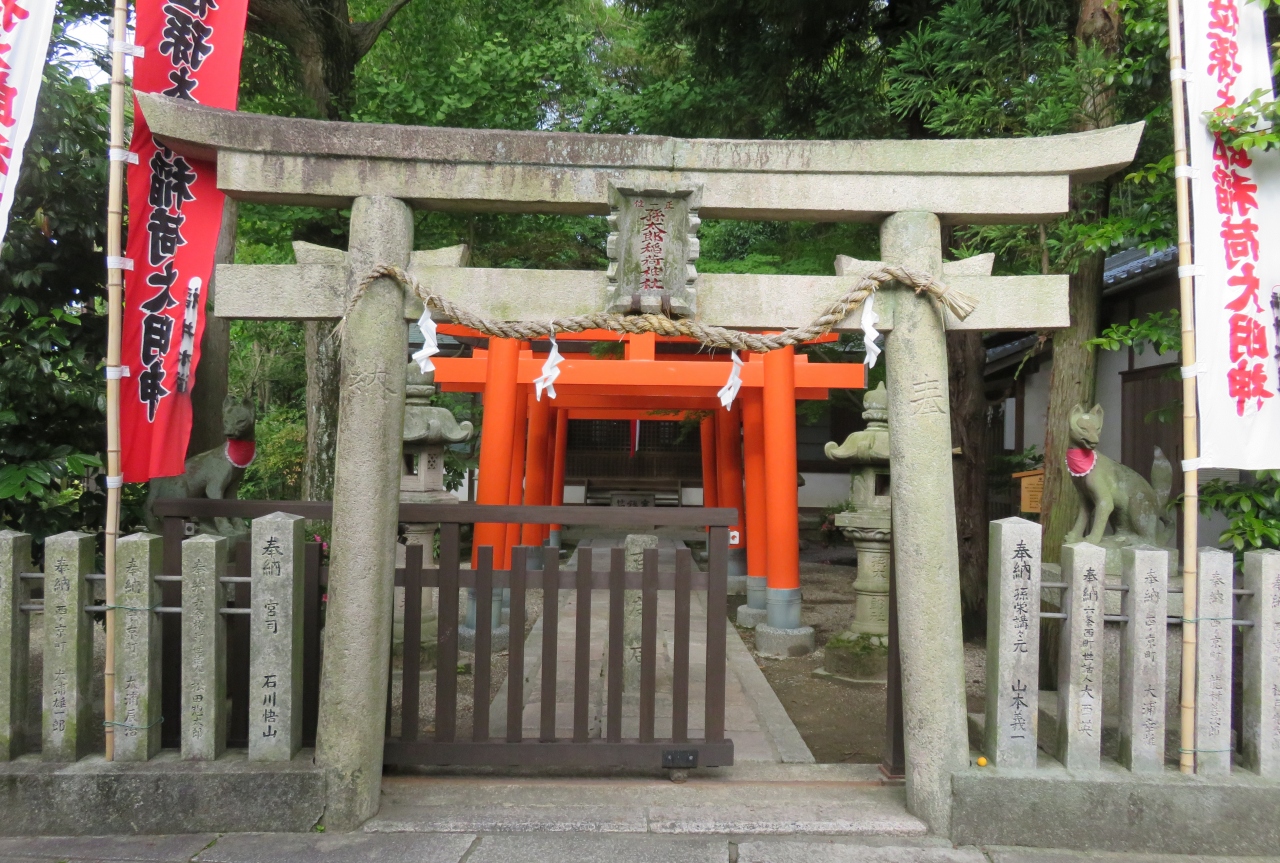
(956, 302)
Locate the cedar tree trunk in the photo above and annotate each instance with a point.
(966, 358)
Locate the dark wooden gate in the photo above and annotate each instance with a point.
(443, 746)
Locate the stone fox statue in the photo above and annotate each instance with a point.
(214, 473)
(1111, 490)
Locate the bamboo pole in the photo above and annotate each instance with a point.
(115, 310)
(1190, 440)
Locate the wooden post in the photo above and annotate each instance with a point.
(497, 437)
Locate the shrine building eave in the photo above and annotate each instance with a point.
(283, 160)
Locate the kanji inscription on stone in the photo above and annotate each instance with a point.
(1013, 643)
(275, 638)
(1080, 659)
(1142, 658)
(652, 246)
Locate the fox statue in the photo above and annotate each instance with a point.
(1110, 490)
(214, 473)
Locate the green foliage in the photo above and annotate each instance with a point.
(1251, 124)
(52, 317)
(276, 470)
(1002, 466)
(1160, 330)
(988, 68)
(1252, 509)
(1003, 68)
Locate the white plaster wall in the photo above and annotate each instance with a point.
(1150, 358)
(1036, 409)
(824, 489)
(1010, 422)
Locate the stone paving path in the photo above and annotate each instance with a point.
(537, 848)
(754, 718)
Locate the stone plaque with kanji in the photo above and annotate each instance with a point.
(652, 247)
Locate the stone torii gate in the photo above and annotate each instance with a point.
(380, 172)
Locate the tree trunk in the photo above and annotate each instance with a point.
(326, 42)
(1072, 378)
(323, 371)
(210, 389)
(1071, 382)
(966, 357)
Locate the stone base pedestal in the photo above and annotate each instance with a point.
(737, 571)
(862, 658)
(750, 618)
(782, 643)
(499, 641)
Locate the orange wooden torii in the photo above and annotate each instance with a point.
(748, 452)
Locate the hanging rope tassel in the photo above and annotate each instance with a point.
(956, 302)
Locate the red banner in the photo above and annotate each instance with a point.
(175, 210)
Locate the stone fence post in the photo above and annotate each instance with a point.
(137, 653)
(275, 638)
(1261, 721)
(1080, 659)
(1145, 602)
(1013, 643)
(1214, 606)
(204, 648)
(68, 646)
(15, 559)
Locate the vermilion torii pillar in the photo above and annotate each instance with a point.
(754, 498)
(710, 484)
(928, 183)
(782, 634)
(515, 482)
(496, 441)
(728, 426)
(557, 471)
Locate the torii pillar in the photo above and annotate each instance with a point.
(927, 561)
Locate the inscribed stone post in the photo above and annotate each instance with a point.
(204, 648)
(1013, 642)
(924, 529)
(1261, 721)
(1080, 656)
(1214, 607)
(68, 646)
(275, 638)
(633, 609)
(1142, 658)
(365, 515)
(137, 653)
(15, 559)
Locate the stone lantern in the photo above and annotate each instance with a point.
(860, 650)
(427, 431)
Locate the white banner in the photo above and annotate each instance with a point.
(24, 40)
(1236, 216)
